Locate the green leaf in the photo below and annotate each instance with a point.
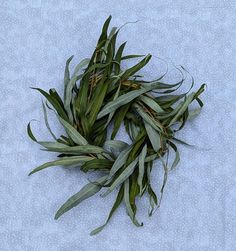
(79, 66)
(131, 56)
(103, 36)
(118, 57)
(30, 134)
(151, 157)
(53, 93)
(194, 113)
(73, 133)
(98, 102)
(112, 113)
(128, 205)
(87, 191)
(46, 144)
(152, 196)
(151, 103)
(122, 177)
(131, 71)
(117, 203)
(157, 85)
(120, 101)
(183, 108)
(151, 121)
(163, 99)
(46, 121)
(182, 142)
(85, 149)
(66, 161)
(177, 157)
(67, 72)
(119, 118)
(68, 97)
(142, 168)
(52, 145)
(97, 164)
(165, 175)
(171, 112)
(54, 102)
(152, 199)
(153, 136)
(119, 162)
(134, 130)
(115, 145)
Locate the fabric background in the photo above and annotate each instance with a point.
(199, 205)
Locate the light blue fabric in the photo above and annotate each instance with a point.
(198, 211)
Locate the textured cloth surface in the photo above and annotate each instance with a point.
(199, 205)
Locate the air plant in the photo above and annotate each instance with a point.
(101, 94)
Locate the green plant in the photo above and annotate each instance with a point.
(99, 94)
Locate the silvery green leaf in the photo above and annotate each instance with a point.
(194, 113)
(152, 122)
(73, 133)
(153, 136)
(54, 102)
(172, 113)
(78, 67)
(87, 191)
(76, 149)
(46, 144)
(68, 97)
(120, 161)
(177, 157)
(128, 205)
(46, 121)
(52, 145)
(142, 168)
(118, 201)
(67, 72)
(122, 177)
(151, 103)
(115, 145)
(131, 71)
(65, 161)
(150, 158)
(134, 130)
(165, 167)
(112, 113)
(183, 108)
(121, 100)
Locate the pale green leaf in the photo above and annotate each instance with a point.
(142, 168)
(153, 136)
(121, 100)
(73, 133)
(65, 161)
(87, 191)
(128, 205)
(122, 177)
(151, 103)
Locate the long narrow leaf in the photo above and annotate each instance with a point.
(127, 203)
(117, 203)
(73, 133)
(87, 191)
(141, 168)
(66, 161)
(122, 177)
(153, 136)
(121, 100)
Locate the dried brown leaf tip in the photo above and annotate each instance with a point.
(99, 94)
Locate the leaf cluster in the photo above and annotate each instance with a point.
(101, 94)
